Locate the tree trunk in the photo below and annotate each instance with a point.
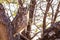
(31, 11)
(4, 35)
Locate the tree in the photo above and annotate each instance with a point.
(19, 28)
(5, 25)
(31, 11)
(20, 21)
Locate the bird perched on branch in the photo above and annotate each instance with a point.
(5, 25)
(20, 21)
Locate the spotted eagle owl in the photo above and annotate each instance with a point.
(20, 21)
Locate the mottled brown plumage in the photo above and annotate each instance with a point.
(20, 21)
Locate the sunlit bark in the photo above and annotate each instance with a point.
(3, 32)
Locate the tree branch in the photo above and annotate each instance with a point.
(56, 13)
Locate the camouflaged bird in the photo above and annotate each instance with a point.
(20, 21)
(5, 25)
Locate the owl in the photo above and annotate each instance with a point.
(50, 1)
(20, 21)
(5, 25)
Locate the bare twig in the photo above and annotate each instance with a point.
(56, 13)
